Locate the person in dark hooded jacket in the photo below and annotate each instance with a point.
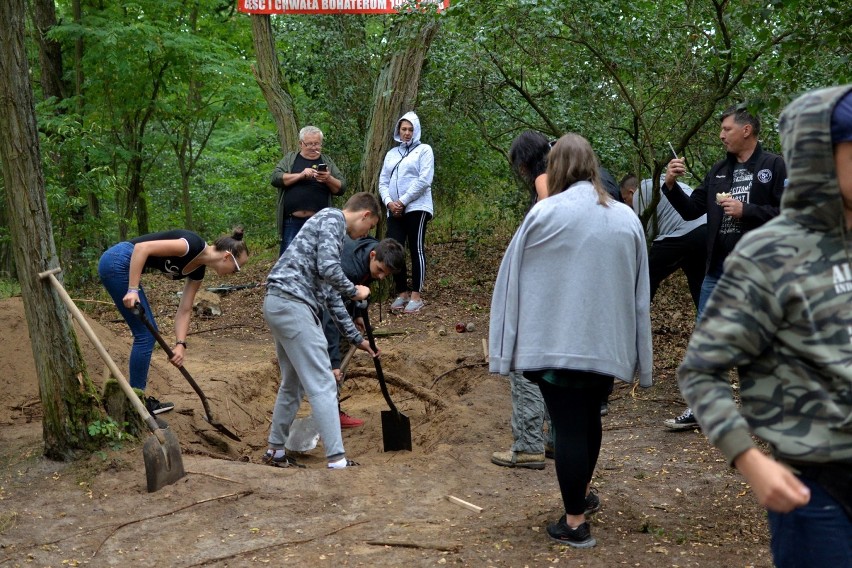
(782, 314)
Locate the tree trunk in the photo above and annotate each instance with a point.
(49, 51)
(395, 93)
(67, 395)
(268, 77)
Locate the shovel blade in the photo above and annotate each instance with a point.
(396, 431)
(163, 462)
(303, 435)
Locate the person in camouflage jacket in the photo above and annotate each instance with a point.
(309, 276)
(782, 314)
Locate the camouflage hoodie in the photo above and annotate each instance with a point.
(782, 314)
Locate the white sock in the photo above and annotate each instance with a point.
(339, 464)
(277, 454)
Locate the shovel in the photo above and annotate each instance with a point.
(304, 435)
(140, 313)
(161, 450)
(396, 428)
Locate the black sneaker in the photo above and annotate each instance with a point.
(593, 503)
(581, 537)
(283, 461)
(155, 407)
(685, 421)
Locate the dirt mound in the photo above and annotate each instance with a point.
(668, 499)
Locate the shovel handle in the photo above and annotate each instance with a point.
(140, 313)
(113, 368)
(377, 363)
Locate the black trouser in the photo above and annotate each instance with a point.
(688, 253)
(410, 229)
(576, 418)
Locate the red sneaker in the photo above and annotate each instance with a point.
(347, 421)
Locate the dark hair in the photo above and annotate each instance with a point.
(626, 179)
(742, 117)
(391, 254)
(528, 155)
(363, 201)
(233, 244)
(571, 160)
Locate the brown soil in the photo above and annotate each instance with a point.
(668, 498)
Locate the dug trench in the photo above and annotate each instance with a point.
(668, 498)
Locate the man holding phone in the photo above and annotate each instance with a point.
(306, 181)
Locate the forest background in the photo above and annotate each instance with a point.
(150, 114)
(155, 114)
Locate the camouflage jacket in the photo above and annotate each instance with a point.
(782, 314)
(309, 271)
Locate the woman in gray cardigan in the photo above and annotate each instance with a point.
(571, 310)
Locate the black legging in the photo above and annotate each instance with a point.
(575, 413)
(411, 229)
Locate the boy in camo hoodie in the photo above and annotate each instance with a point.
(782, 314)
(309, 276)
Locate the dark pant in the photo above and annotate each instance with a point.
(575, 413)
(817, 534)
(291, 228)
(688, 253)
(410, 229)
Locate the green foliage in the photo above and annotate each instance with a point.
(168, 125)
(109, 432)
(9, 288)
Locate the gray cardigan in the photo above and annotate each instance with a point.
(573, 291)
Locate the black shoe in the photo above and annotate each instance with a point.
(155, 407)
(283, 461)
(581, 537)
(685, 421)
(593, 503)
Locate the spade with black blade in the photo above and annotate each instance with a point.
(396, 428)
(140, 313)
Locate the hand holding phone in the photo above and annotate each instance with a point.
(322, 167)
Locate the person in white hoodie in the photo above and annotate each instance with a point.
(405, 186)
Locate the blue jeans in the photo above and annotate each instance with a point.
(818, 534)
(114, 271)
(291, 228)
(707, 287)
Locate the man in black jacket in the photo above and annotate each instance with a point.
(738, 194)
(363, 261)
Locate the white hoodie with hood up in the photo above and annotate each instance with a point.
(408, 170)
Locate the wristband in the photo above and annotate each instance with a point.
(180, 343)
(134, 290)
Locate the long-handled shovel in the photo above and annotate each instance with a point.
(396, 428)
(140, 313)
(161, 450)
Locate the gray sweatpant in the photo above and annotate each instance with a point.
(305, 368)
(528, 415)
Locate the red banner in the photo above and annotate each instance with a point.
(337, 6)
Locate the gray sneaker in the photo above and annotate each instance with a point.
(399, 304)
(518, 459)
(413, 306)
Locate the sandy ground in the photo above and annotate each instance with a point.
(668, 498)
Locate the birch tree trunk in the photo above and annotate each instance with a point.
(267, 73)
(395, 93)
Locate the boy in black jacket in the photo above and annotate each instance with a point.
(363, 260)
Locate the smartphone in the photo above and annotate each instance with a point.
(322, 167)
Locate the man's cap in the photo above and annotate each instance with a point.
(841, 120)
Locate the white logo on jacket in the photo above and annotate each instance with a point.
(764, 176)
